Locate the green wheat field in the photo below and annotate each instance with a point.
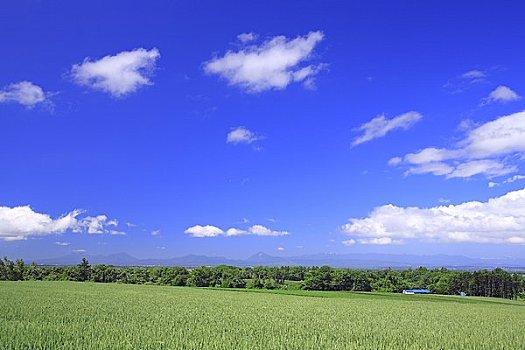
(71, 315)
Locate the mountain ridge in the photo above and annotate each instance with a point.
(356, 261)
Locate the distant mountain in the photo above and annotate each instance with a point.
(356, 261)
(120, 259)
(265, 259)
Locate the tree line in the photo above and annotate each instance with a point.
(490, 283)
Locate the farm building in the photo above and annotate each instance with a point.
(416, 291)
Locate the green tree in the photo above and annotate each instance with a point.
(83, 270)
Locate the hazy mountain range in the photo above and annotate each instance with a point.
(357, 261)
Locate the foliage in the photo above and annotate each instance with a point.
(496, 283)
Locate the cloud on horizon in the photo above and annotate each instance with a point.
(20, 223)
(213, 231)
(499, 220)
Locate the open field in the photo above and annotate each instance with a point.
(69, 315)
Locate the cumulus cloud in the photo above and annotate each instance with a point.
(19, 223)
(499, 220)
(95, 224)
(155, 233)
(117, 75)
(380, 126)
(261, 230)
(241, 135)
(25, 93)
(502, 94)
(213, 231)
(484, 150)
(204, 231)
(274, 64)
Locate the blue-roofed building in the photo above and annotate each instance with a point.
(416, 291)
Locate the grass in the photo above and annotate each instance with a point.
(69, 315)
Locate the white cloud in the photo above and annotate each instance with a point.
(507, 181)
(466, 125)
(484, 150)
(502, 94)
(395, 161)
(261, 230)
(213, 231)
(349, 242)
(19, 223)
(62, 243)
(241, 135)
(155, 233)
(272, 65)
(117, 75)
(490, 168)
(79, 251)
(204, 231)
(499, 220)
(465, 81)
(432, 155)
(380, 126)
(436, 168)
(473, 75)
(514, 178)
(95, 224)
(379, 241)
(280, 249)
(235, 232)
(116, 233)
(113, 222)
(25, 93)
(502, 136)
(246, 37)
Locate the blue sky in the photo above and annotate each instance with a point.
(294, 124)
